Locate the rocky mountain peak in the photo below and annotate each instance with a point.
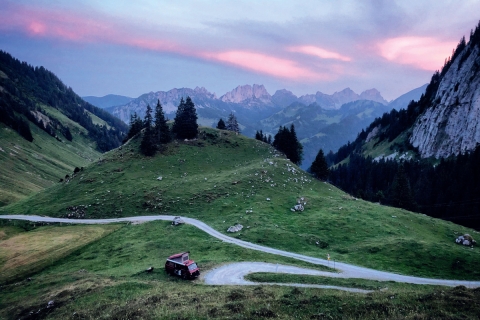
(374, 95)
(246, 92)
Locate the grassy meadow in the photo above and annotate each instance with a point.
(221, 177)
(105, 279)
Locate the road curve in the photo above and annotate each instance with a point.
(345, 270)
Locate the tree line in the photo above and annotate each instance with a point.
(449, 190)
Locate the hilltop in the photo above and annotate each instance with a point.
(224, 179)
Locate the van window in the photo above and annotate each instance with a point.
(193, 266)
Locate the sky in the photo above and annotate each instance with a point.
(134, 47)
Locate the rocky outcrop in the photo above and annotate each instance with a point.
(450, 126)
(247, 93)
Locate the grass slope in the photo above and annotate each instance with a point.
(105, 279)
(220, 176)
(28, 167)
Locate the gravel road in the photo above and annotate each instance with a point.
(239, 270)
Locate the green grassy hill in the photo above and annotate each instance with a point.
(224, 179)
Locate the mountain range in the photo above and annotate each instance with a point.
(322, 120)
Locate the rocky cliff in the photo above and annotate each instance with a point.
(450, 126)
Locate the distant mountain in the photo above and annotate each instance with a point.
(46, 130)
(336, 100)
(249, 103)
(110, 100)
(249, 96)
(403, 101)
(327, 129)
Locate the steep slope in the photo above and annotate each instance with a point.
(224, 179)
(441, 134)
(108, 101)
(451, 124)
(46, 130)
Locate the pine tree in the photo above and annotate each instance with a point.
(185, 125)
(319, 166)
(162, 131)
(232, 124)
(221, 124)
(147, 146)
(401, 194)
(136, 125)
(286, 141)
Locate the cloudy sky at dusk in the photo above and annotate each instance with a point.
(133, 47)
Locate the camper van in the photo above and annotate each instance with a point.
(180, 264)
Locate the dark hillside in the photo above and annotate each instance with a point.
(24, 89)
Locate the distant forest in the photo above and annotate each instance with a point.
(24, 88)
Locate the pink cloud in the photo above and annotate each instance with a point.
(420, 52)
(64, 25)
(319, 52)
(266, 64)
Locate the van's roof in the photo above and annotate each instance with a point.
(178, 255)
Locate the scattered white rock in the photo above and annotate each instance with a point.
(160, 178)
(235, 228)
(466, 240)
(268, 199)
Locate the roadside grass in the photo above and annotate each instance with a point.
(24, 253)
(341, 282)
(221, 176)
(106, 279)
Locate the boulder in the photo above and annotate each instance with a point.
(465, 240)
(298, 207)
(160, 178)
(235, 228)
(177, 220)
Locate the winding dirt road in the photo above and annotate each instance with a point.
(233, 274)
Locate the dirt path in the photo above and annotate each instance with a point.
(220, 275)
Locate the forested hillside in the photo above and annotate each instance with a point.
(424, 158)
(24, 90)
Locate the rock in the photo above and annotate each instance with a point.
(298, 207)
(235, 228)
(149, 270)
(177, 220)
(50, 304)
(268, 199)
(465, 240)
(160, 178)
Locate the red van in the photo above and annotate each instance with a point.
(180, 264)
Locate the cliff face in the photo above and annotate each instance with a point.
(451, 125)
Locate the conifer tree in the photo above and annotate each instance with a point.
(401, 194)
(136, 125)
(162, 131)
(221, 124)
(232, 124)
(147, 146)
(286, 141)
(319, 166)
(185, 125)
